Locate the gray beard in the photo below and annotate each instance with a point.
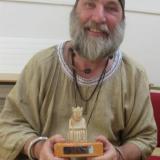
(93, 48)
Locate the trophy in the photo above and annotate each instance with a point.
(77, 145)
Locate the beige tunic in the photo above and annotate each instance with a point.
(41, 104)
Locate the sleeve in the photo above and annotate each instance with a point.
(140, 124)
(19, 119)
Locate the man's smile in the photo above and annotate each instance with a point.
(96, 32)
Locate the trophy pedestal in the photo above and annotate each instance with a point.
(78, 149)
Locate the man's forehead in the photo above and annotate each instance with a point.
(101, 0)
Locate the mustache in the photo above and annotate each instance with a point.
(101, 27)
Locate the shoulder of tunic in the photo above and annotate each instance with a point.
(45, 56)
(132, 67)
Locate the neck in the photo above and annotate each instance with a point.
(81, 63)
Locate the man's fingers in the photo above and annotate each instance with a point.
(47, 152)
(56, 138)
(102, 139)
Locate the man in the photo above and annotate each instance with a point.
(88, 71)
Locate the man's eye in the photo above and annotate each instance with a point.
(90, 5)
(111, 8)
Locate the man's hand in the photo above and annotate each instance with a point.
(44, 150)
(109, 151)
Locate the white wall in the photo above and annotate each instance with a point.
(28, 27)
(142, 42)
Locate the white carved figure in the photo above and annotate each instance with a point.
(77, 126)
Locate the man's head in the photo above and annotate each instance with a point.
(77, 113)
(97, 27)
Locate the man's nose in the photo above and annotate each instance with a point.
(99, 15)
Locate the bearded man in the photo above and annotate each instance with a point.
(88, 71)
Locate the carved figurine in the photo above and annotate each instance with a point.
(77, 126)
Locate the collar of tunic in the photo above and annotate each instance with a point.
(117, 58)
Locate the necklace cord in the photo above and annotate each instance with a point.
(95, 102)
(100, 80)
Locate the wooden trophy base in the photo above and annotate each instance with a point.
(78, 149)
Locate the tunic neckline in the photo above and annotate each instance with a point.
(117, 58)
